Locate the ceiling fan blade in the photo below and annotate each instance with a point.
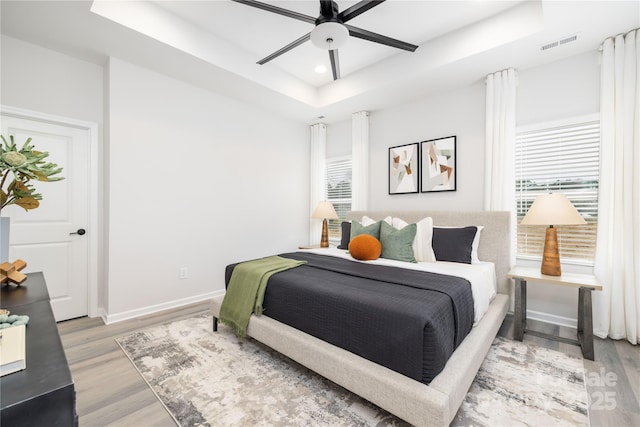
(285, 49)
(328, 8)
(358, 9)
(278, 10)
(379, 38)
(335, 63)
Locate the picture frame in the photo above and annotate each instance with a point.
(404, 164)
(438, 171)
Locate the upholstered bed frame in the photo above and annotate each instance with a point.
(435, 404)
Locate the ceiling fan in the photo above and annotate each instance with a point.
(330, 31)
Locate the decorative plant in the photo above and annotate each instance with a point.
(24, 165)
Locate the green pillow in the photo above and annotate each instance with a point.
(371, 230)
(398, 244)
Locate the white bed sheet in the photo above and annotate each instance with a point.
(482, 276)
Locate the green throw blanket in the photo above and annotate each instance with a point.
(245, 292)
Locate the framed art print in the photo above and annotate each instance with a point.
(438, 171)
(403, 169)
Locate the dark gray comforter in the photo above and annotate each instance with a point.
(409, 321)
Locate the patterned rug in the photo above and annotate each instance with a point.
(215, 379)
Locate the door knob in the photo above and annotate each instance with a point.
(80, 232)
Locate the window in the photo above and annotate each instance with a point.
(338, 192)
(560, 158)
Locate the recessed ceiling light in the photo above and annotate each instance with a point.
(320, 69)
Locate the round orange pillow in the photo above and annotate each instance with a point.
(365, 247)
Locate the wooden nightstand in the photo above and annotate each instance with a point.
(585, 284)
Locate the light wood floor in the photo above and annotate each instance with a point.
(614, 399)
(110, 392)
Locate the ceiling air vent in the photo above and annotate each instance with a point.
(559, 42)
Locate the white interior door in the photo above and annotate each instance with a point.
(44, 237)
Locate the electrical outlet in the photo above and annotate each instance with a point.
(183, 273)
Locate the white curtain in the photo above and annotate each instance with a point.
(617, 262)
(359, 160)
(500, 137)
(317, 172)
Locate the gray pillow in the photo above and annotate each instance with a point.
(346, 235)
(398, 244)
(453, 244)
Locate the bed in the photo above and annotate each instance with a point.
(434, 404)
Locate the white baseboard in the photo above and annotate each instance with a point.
(552, 318)
(102, 314)
(126, 315)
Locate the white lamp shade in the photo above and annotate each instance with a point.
(329, 35)
(552, 209)
(324, 210)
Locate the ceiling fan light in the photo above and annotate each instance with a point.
(329, 35)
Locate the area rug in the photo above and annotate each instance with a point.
(215, 379)
(526, 385)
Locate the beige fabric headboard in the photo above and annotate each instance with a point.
(495, 240)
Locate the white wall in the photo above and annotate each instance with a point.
(559, 90)
(197, 180)
(39, 79)
(339, 139)
(459, 113)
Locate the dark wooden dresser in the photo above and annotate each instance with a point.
(43, 394)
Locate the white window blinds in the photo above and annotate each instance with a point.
(559, 159)
(338, 191)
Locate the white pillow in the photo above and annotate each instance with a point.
(368, 221)
(422, 248)
(474, 245)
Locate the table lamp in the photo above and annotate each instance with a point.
(552, 209)
(324, 211)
